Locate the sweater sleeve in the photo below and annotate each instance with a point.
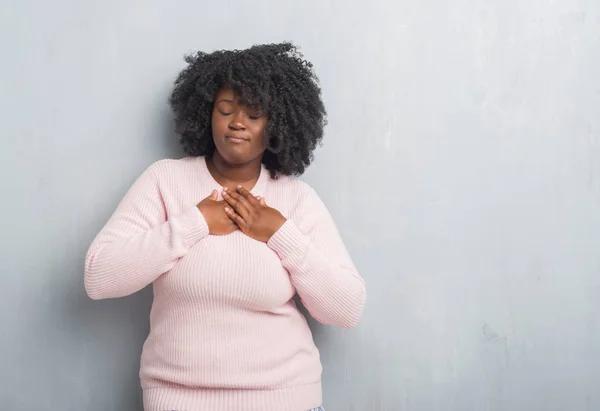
(314, 254)
(139, 243)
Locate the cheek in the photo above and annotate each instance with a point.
(259, 129)
(219, 124)
(259, 132)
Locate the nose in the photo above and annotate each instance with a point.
(237, 122)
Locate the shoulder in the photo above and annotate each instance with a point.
(292, 188)
(168, 166)
(166, 173)
(296, 196)
(172, 170)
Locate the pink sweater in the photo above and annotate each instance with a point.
(225, 334)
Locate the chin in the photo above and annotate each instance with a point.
(235, 157)
(238, 155)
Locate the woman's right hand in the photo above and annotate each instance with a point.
(213, 211)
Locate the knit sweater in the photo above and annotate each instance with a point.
(225, 333)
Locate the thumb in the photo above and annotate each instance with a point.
(262, 201)
(214, 195)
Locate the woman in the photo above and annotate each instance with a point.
(227, 237)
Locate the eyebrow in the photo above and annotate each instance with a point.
(225, 100)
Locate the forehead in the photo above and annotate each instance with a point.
(226, 93)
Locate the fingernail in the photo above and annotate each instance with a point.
(240, 186)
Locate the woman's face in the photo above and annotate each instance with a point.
(237, 128)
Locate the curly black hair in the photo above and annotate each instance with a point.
(274, 77)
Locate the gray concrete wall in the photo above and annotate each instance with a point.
(461, 162)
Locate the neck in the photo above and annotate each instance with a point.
(232, 175)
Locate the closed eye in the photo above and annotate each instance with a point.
(254, 114)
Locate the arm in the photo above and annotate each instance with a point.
(319, 265)
(138, 244)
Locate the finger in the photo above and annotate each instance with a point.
(247, 195)
(236, 218)
(233, 199)
(214, 195)
(241, 200)
(261, 201)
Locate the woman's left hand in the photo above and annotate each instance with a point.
(252, 215)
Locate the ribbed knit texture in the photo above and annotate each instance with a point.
(225, 334)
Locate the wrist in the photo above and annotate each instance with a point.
(280, 222)
(201, 208)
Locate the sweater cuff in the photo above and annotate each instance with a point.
(289, 243)
(193, 226)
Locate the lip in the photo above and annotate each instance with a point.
(236, 139)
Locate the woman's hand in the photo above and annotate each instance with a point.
(253, 216)
(218, 221)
